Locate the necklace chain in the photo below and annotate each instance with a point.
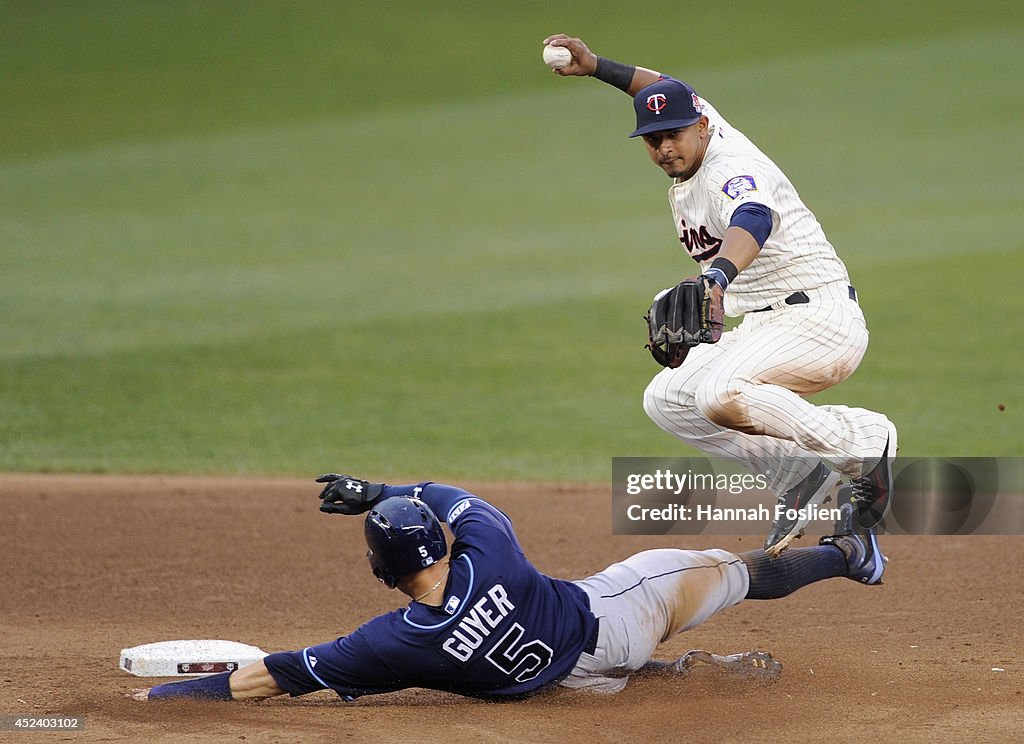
(432, 589)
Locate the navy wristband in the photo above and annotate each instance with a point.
(722, 271)
(614, 73)
(214, 687)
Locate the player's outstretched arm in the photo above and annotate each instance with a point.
(627, 78)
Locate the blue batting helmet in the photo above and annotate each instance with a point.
(403, 537)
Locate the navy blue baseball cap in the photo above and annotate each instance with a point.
(666, 104)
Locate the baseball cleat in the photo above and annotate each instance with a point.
(753, 664)
(865, 562)
(872, 492)
(793, 508)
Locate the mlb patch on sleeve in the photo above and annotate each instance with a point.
(739, 185)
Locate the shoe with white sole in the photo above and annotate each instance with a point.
(864, 559)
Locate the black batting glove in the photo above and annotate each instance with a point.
(344, 494)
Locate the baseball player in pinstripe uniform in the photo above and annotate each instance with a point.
(743, 398)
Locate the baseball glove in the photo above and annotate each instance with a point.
(688, 314)
(344, 494)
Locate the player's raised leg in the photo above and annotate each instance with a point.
(669, 401)
(798, 478)
(757, 385)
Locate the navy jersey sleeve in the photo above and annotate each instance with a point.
(349, 665)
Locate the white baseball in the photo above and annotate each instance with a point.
(556, 57)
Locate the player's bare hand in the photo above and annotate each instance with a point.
(584, 61)
(139, 693)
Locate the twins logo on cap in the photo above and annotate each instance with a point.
(665, 105)
(657, 102)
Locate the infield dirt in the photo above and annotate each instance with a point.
(92, 564)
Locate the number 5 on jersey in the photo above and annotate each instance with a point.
(529, 659)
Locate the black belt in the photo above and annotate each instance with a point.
(801, 298)
(591, 646)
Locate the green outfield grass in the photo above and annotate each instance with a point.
(289, 237)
